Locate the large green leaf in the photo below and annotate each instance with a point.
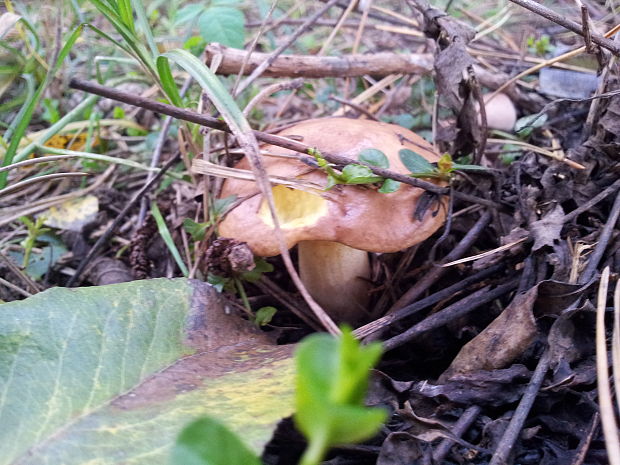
(222, 24)
(111, 374)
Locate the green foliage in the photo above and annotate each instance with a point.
(331, 382)
(331, 385)
(164, 232)
(38, 261)
(260, 266)
(420, 167)
(264, 315)
(358, 174)
(374, 157)
(526, 124)
(218, 21)
(35, 229)
(51, 113)
(208, 442)
(219, 207)
(541, 46)
(234, 285)
(104, 358)
(27, 111)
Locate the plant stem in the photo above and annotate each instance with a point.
(314, 453)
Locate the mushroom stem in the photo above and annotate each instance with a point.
(337, 276)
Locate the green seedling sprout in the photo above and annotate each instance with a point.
(331, 382)
(35, 229)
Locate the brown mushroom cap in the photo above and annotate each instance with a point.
(357, 216)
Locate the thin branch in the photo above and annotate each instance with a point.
(311, 66)
(272, 139)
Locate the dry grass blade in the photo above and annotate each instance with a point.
(541, 150)
(213, 169)
(47, 177)
(608, 419)
(615, 345)
(487, 253)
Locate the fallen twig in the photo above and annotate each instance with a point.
(450, 313)
(603, 240)
(434, 273)
(309, 66)
(450, 291)
(506, 443)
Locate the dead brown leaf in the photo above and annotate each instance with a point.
(502, 341)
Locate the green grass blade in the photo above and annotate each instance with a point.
(111, 39)
(126, 14)
(218, 94)
(145, 27)
(129, 36)
(32, 104)
(167, 81)
(104, 158)
(165, 235)
(52, 130)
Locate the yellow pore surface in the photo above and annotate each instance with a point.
(295, 208)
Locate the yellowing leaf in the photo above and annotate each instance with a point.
(72, 214)
(75, 142)
(110, 375)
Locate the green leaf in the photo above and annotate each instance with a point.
(415, 162)
(220, 206)
(405, 120)
(125, 12)
(224, 25)
(196, 230)
(111, 374)
(526, 124)
(208, 442)
(188, 13)
(260, 266)
(358, 174)
(218, 282)
(118, 113)
(145, 27)
(374, 157)
(458, 166)
(389, 186)
(218, 94)
(264, 315)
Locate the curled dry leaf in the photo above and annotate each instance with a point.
(502, 341)
(547, 230)
(485, 388)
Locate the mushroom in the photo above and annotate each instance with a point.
(335, 229)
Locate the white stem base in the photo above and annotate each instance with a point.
(337, 278)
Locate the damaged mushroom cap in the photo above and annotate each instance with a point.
(357, 216)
